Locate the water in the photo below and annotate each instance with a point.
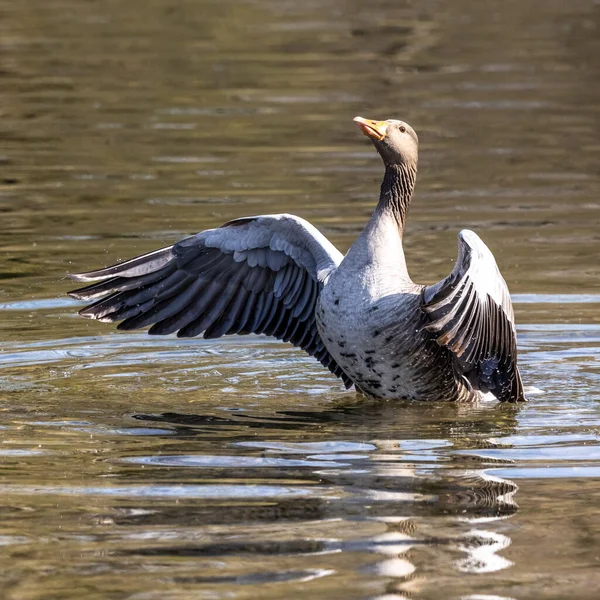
(143, 468)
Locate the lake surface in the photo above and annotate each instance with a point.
(154, 468)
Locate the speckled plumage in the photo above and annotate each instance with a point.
(360, 315)
(370, 313)
(382, 344)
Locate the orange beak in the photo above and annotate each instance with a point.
(373, 129)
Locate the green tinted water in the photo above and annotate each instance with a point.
(146, 468)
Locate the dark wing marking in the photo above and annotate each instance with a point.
(252, 275)
(471, 315)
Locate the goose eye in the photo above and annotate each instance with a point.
(402, 129)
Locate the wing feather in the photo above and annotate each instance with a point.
(253, 275)
(471, 314)
(151, 262)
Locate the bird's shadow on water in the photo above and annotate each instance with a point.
(365, 417)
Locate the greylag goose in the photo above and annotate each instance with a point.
(360, 315)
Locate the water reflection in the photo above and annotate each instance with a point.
(246, 472)
(294, 482)
(418, 495)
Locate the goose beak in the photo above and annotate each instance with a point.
(374, 129)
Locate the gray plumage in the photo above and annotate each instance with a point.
(360, 315)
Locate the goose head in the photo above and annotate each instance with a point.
(396, 141)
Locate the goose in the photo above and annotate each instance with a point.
(360, 315)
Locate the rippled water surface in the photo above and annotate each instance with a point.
(154, 468)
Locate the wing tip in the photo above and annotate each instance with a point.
(81, 277)
(468, 235)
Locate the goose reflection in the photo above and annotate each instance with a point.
(416, 550)
(389, 483)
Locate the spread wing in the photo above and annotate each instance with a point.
(252, 275)
(471, 314)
